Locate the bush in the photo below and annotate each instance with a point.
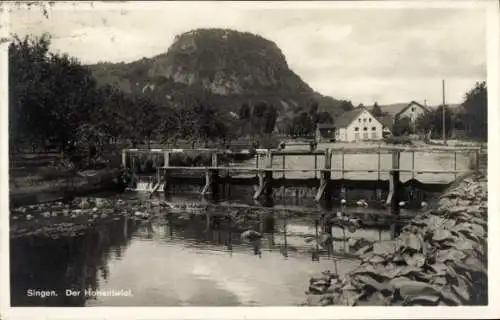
(398, 140)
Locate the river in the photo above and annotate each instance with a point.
(180, 260)
(175, 260)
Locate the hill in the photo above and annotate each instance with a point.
(226, 67)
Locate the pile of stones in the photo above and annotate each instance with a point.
(440, 258)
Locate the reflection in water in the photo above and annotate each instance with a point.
(76, 263)
(186, 259)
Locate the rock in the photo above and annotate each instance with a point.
(84, 203)
(409, 287)
(383, 248)
(441, 235)
(415, 260)
(422, 300)
(101, 202)
(449, 255)
(139, 214)
(104, 216)
(410, 241)
(250, 235)
(46, 214)
(29, 217)
(108, 211)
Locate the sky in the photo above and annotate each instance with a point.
(366, 53)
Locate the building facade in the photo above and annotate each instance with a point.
(412, 111)
(358, 125)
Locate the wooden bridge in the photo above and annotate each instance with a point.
(263, 174)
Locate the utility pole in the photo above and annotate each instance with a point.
(444, 113)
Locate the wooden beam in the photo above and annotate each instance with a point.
(325, 177)
(124, 158)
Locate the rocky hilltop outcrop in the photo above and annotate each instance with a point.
(233, 67)
(228, 62)
(440, 259)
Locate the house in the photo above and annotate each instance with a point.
(325, 132)
(412, 110)
(357, 125)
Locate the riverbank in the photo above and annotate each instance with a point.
(33, 189)
(440, 258)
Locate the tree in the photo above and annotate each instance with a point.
(313, 109)
(325, 117)
(346, 105)
(376, 110)
(402, 126)
(270, 117)
(29, 90)
(302, 125)
(431, 123)
(425, 124)
(148, 117)
(51, 95)
(244, 112)
(476, 111)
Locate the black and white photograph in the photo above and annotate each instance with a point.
(246, 154)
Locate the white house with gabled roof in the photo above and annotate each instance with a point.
(358, 125)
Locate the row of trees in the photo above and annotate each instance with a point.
(53, 99)
(303, 124)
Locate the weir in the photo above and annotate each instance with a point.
(268, 175)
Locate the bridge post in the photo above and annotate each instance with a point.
(124, 158)
(212, 178)
(166, 164)
(378, 189)
(265, 177)
(269, 174)
(215, 175)
(394, 192)
(324, 190)
(343, 190)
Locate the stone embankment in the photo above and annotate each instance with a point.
(440, 258)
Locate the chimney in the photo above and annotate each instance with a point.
(425, 102)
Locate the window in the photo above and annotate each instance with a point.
(365, 135)
(412, 109)
(374, 128)
(365, 129)
(356, 136)
(359, 120)
(356, 129)
(364, 120)
(369, 119)
(374, 135)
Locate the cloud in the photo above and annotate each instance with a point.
(360, 54)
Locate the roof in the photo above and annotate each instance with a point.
(411, 104)
(348, 117)
(396, 108)
(387, 121)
